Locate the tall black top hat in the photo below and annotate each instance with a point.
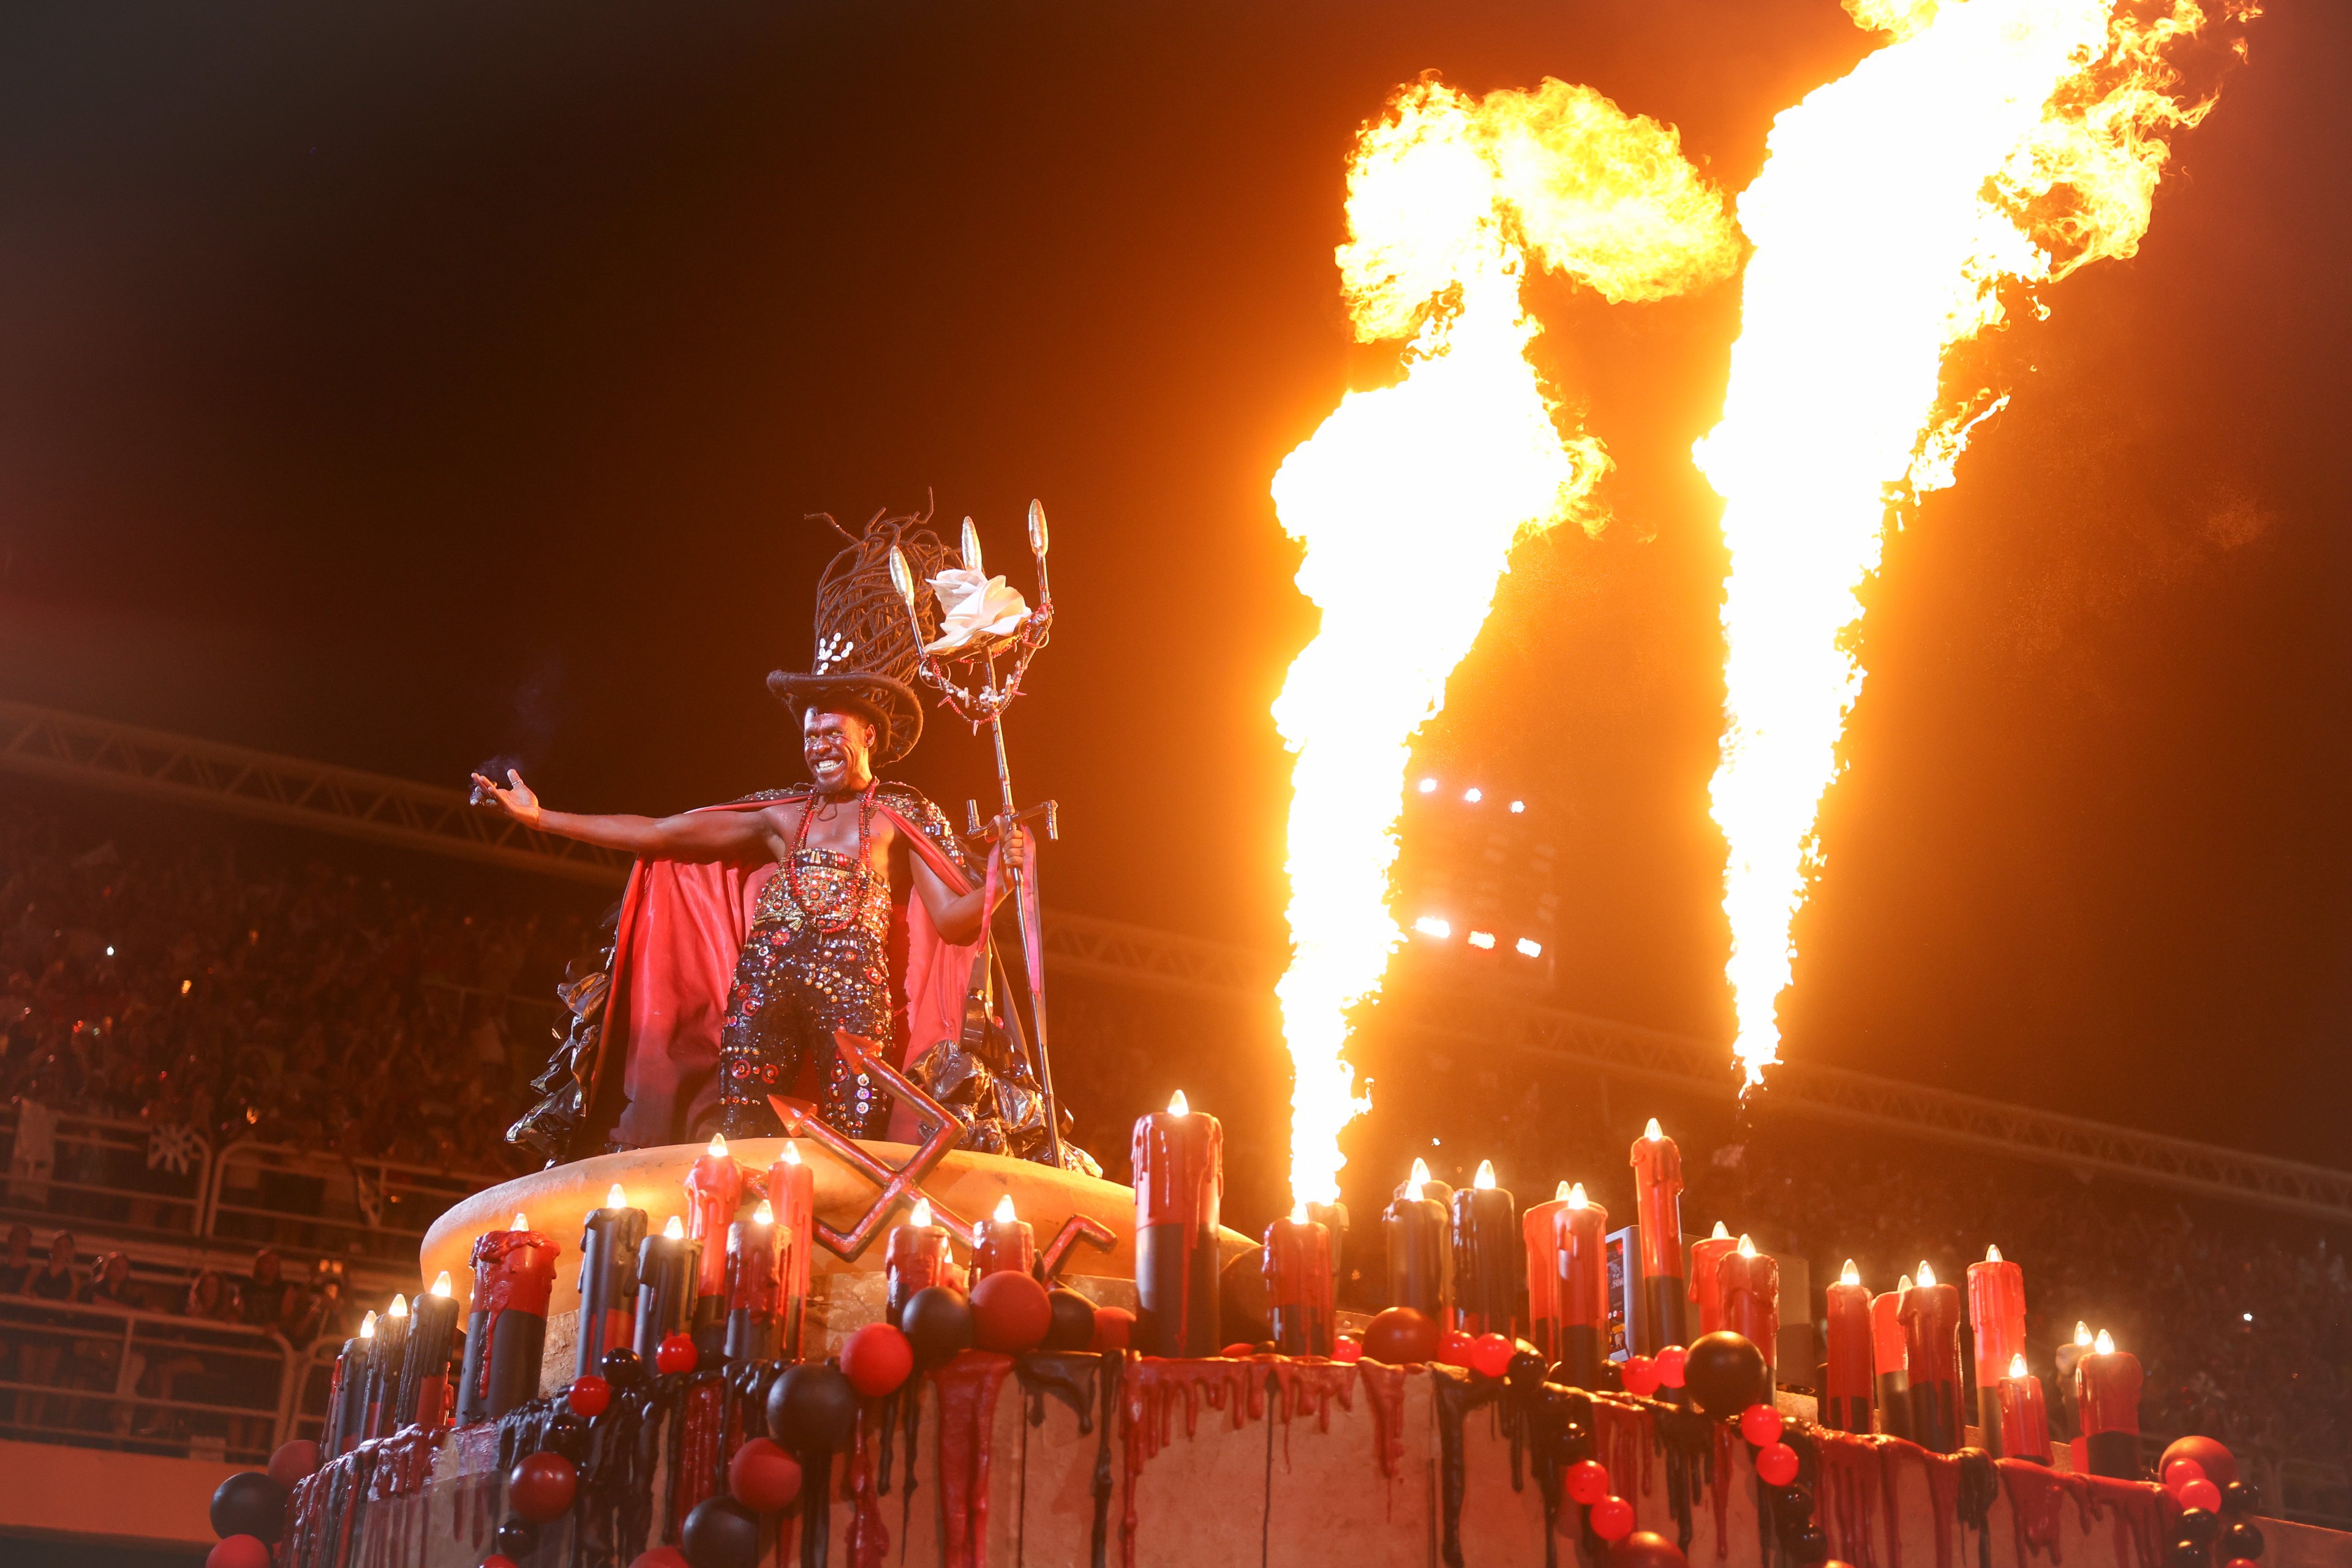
(865, 648)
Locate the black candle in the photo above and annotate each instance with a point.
(666, 1267)
(1488, 1256)
(1414, 1229)
(608, 1279)
(384, 1368)
(423, 1396)
(347, 1396)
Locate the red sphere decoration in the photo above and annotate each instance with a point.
(1776, 1464)
(2220, 1466)
(1670, 1366)
(1638, 1374)
(1588, 1482)
(1240, 1350)
(1612, 1518)
(660, 1557)
(762, 1477)
(1402, 1337)
(1760, 1425)
(1347, 1348)
(497, 1560)
(2241, 1562)
(1454, 1348)
(1490, 1355)
(238, 1551)
(1114, 1328)
(876, 1359)
(2179, 1473)
(675, 1353)
(292, 1460)
(541, 1488)
(2199, 1493)
(590, 1397)
(1646, 1549)
(1009, 1313)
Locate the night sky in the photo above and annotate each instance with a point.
(400, 385)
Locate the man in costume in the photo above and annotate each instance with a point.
(751, 934)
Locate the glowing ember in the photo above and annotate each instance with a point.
(1992, 145)
(1409, 497)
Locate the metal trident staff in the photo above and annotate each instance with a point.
(984, 702)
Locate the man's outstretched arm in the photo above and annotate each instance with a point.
(690, 835)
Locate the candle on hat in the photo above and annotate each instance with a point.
(1930, 1314)
(1892, 1357)
(1997, 1317)
(916, 1255)
(609, 1244)
(714, 1191)
(423, 1396)
(2024, 1419)
(1580, 1237)
(1003, 1243)
(1414, 1230)
(1658, 1210)
(1846, 1393)
(1748, 1288)
(506, 1321)
(751, 1285)
(1706, 1284)
(668, 1266)
(1178, 1156)
(1297, 1268)
(1543, 1273)
(1487, 1257)
(2106, 1393)
(792, 1194)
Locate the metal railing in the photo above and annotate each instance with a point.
(101, 1175)
(328, 1204)
(115, 1377)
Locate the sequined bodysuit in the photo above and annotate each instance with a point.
(817, 960)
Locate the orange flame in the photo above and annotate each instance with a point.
(1990, 147)
(1409, 497)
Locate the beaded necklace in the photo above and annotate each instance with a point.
(800, 842)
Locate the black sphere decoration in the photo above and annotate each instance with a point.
(1810, 1545)
(568, 1435)
(721, 1533)
(2242, 1539)
(250, 1503)
(1526, 1371)
(2240, 1499)
(622, 1367)
(518, 1538)
(2184, 1554)
(812, 1408)
(1725, 1372)
(1072, 1326)
(1795, 1501)
(2199, 1527)
(939, 1322)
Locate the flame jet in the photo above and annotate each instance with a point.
(1409, 497)
(1991, 146)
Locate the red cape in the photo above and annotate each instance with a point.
(682, 928)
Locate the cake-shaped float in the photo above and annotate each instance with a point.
(909, 1389)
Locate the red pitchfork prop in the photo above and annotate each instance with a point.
(899, 1184)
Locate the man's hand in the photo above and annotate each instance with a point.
(1010, 853)
(518, 802)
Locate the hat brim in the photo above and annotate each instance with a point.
(892, 707)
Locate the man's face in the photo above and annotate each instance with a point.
(265, 1268)
(836, 747)
(61, 1249)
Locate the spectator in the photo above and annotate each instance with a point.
(17, 1262)
(270, 1299)
(55, 1281)
(110, 1284)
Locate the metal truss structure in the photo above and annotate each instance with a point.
(49, 743)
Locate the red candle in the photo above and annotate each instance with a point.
(1580, 1240)
(1845, 1402)
(1997, 1315)
(1893, 1358)
(2024, 1420)
(422, 1399)
(1002, 1243)
(1930, 1314)
(505, 1322)
(1543, 1274)
(714, 1191)
(1658, 1210)
(1298, 1267)
(609, 1243)
(1706, 1286)
(1178, 1157)
(792, 1194)
(752, 1285)
(916, 1256)
(2106, 1393)
(1748, 1286)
